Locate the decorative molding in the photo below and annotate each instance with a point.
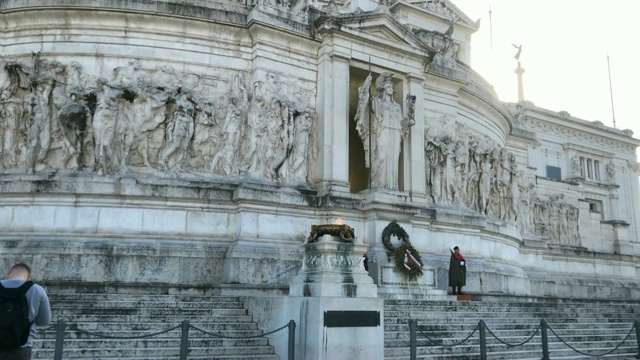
(580, 135)
(588, 150)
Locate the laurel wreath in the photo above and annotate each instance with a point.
(398, 253)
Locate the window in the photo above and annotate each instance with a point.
(595, 205)
(589, 168)
(554, 172)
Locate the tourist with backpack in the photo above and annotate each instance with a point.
(23, 306)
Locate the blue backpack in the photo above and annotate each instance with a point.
(14, 316)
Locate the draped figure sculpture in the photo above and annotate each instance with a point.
(387, 127)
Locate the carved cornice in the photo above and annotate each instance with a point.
(579, 135)
(588, 150)
(375, 46)
(209, 10)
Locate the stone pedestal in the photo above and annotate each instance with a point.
(335, 304)
(392, 285)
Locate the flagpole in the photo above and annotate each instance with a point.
(490, 28)
(613, 113)
(369, 107)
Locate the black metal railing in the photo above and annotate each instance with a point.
(185, 326)
(483, 329)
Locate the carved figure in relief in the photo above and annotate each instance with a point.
(180, 132)
(223, 162)
(610, 172)
(461, 161)
(56, 71)
(429, 153)
(13, 77)
(484, 183)
(444, 171)
(205, 138)
(279, 131)
(268, 89)
(525, 209)
(575, 166)
(11, 115)
(255, 138)
(388, 129)
(150, 112)
(39, 123)
(572, 226)
(500, 195)
(473, 175)
(513, 191)
(125, 76)
(75, 121)
(104, 127)
(294, 169)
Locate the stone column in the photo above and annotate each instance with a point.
(634, 193)
(519, 71)
(613, 207)
(333, 121)
(414, 163)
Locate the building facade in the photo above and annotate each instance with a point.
(195, 143)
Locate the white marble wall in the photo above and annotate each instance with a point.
(250, 148)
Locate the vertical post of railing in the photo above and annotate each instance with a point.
(57, 354)
(184, 340)
(292, 339)
(636, 324)
(413, 354)
(545, 342)
(483, 340)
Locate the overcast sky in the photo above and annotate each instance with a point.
(564, 54)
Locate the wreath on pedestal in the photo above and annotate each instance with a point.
(407, 259)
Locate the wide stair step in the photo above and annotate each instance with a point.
(149, 326)
(450, 329)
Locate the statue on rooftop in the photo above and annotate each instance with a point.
(517, 55)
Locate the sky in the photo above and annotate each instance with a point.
(565, 44)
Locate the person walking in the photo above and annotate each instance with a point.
(23, 306)
(457, 271)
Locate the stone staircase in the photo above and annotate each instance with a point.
(129, 319)
(593, 328)
(125, 322)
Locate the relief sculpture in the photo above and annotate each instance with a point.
(154, 121)
(464, 170)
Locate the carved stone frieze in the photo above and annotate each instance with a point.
(555, 219)
(155, 121)
(469, 171)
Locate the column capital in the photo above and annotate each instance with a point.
(411, 77)
(336, 56)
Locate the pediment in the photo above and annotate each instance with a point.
(378, 27)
